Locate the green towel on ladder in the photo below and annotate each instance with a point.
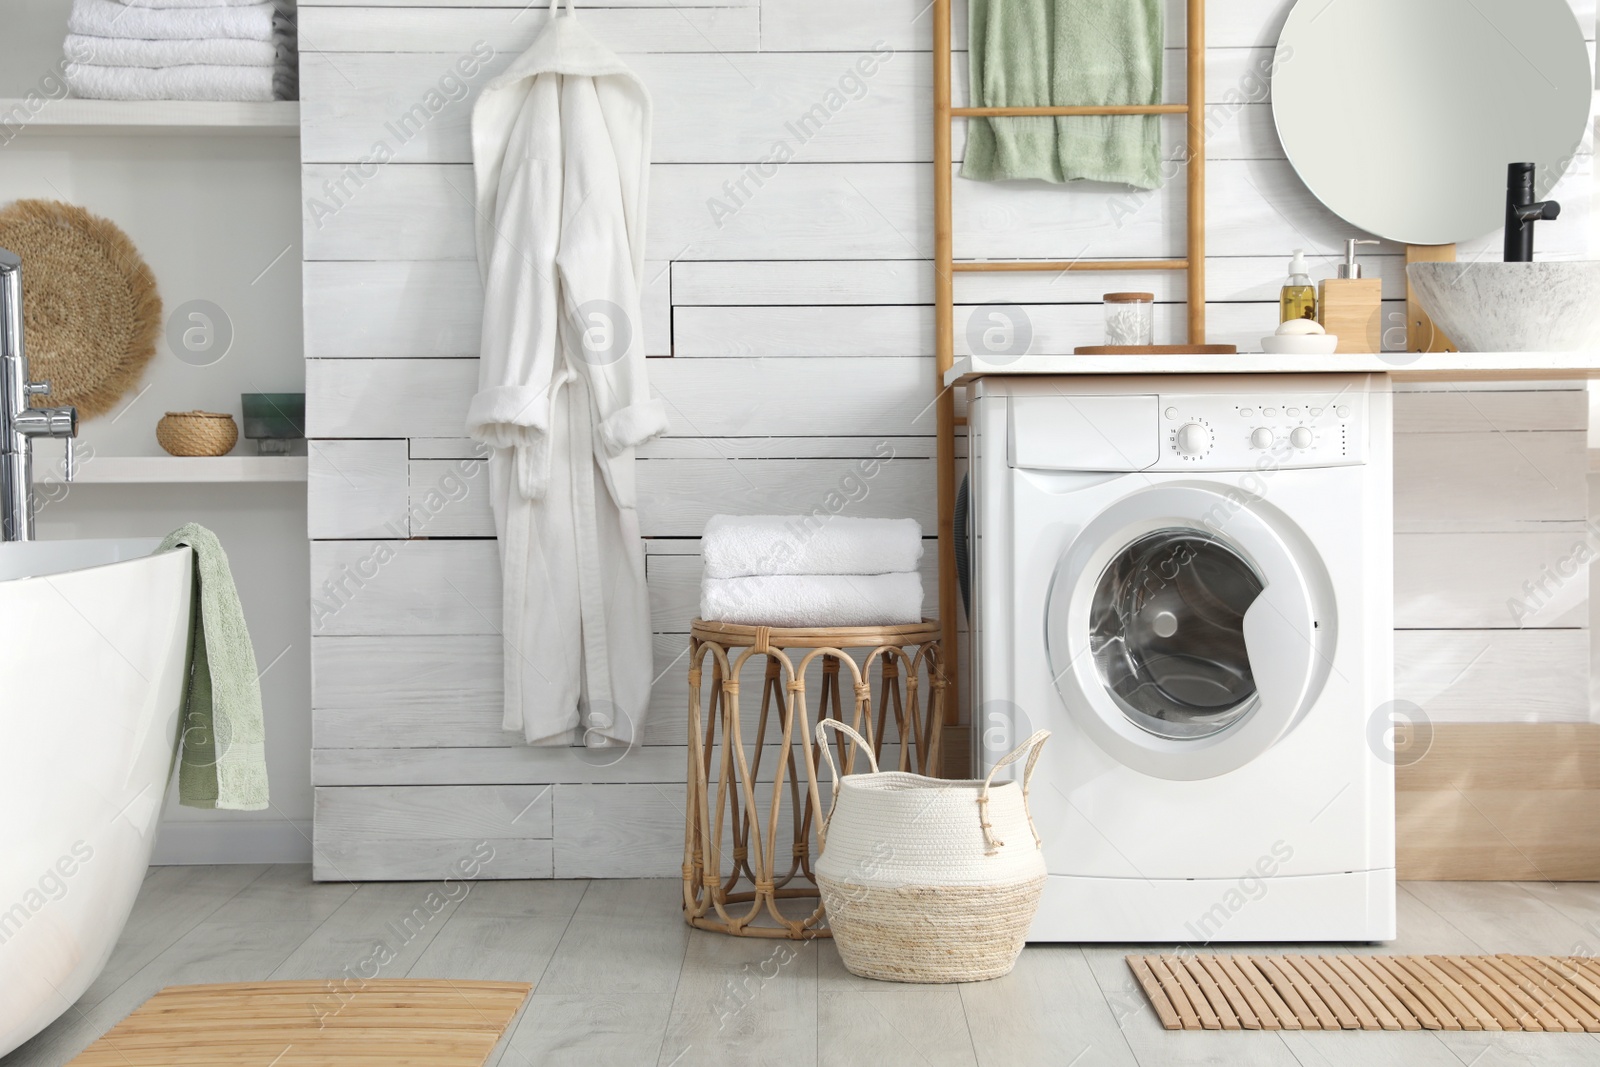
(1032, 53)
(223, 759)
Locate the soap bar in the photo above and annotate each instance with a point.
(1352, 310)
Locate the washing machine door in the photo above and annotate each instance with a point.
(1182, 631)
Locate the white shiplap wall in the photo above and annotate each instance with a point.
(801, 333)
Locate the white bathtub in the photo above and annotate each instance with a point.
(93, 652)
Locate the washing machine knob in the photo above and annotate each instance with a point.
(1193, 439)
(1261, 437)
(1300, 437)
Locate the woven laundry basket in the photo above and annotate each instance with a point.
(925, 879)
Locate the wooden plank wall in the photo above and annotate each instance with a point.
(789, 311)
(1492, 801)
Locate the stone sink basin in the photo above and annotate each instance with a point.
(1512, 307)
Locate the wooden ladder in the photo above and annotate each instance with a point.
(946, 268)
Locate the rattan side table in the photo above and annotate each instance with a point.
(733, 814)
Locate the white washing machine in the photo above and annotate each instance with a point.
(1189, 580)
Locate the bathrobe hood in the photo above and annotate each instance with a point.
(561, 157)
(567, 48)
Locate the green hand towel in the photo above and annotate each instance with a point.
(223, 759)
(1032, 53)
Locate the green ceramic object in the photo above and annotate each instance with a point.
(280, 416)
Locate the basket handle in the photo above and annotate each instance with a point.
(827, 754)
(1032, 746)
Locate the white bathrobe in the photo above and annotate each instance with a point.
(561, 152)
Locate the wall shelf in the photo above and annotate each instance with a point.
(150, 117)
(144, 470)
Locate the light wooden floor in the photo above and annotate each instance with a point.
(620, 979)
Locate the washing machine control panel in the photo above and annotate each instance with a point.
(1246, 430)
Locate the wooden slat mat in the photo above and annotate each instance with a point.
(1539, 993)
(313, 1024)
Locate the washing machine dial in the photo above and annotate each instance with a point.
(1261, 437)
(1301, 437)
(1194, 439)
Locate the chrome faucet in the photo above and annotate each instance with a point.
(1522, 211)
(20, 423)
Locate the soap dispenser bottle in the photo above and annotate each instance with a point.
(1351, 307)
(1299, 297)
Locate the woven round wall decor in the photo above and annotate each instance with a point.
(91, 313)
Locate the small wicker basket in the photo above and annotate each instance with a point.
(197, 433)
(929, 880)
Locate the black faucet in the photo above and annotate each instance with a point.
(1522, 211)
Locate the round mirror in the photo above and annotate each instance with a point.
(1401, 115)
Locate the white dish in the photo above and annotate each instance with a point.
(1309, 344)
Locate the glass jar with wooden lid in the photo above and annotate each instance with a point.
(1130, 318)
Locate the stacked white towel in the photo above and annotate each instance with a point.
(808, 570)
(183, 50)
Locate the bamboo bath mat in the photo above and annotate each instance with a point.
(1544, 993)
(313, 1024)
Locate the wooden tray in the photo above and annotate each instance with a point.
(1155, 350)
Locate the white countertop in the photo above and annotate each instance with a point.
(1403, 366)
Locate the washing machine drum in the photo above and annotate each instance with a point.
(1185, 646)
(1166, 631)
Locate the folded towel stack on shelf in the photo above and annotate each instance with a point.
(242, 50)
(808, 570)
